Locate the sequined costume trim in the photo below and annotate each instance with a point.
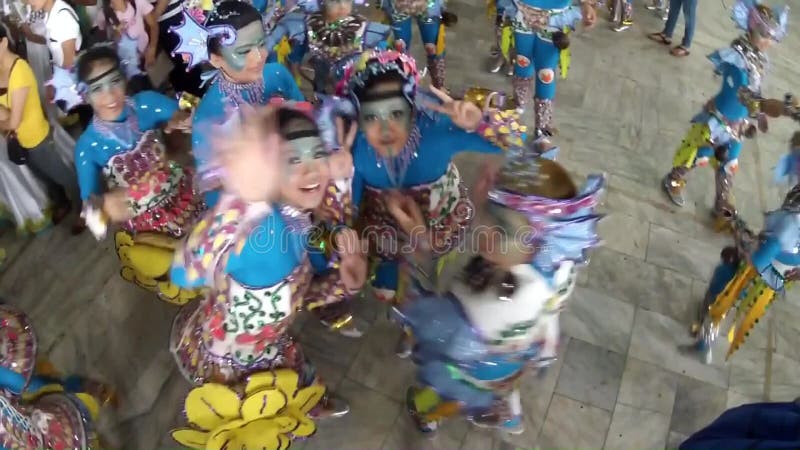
(503, 129)
(444, 204)
(336, 40)
(161, 193)
(211, 343)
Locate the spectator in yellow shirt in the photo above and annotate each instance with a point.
(22, 119)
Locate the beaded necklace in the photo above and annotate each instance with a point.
(397, 166)
(126, 132)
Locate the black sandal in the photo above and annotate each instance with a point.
(660, 37)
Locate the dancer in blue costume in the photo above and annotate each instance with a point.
(716, 133)
(540, 42)
(331, 35)
(754, 272)
(498, 317)
(428, 15)
(235, 47)
(501, 56)
(251, 250)
(38, 409)
(621, 14)
(406, 141)
(125, 176)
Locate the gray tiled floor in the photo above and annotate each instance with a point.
(621, 381)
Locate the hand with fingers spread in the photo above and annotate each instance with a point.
(464, 114)
(341, 161)
(352, 259)
(406, 213)
(252, 155)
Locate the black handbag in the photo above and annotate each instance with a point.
(16, 152)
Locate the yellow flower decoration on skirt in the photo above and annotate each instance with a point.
(272, 411)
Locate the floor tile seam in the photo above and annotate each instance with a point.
(10, 263)
(627, 358)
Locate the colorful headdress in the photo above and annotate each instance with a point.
(71, 91)
(329, 109)
(193, 33)
(374, 63)
(752, 15)
(562, 218)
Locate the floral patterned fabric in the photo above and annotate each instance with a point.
(444, 204)
(162, 195)
(238, 330)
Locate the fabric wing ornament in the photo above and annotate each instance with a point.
(128, 51)
(193, 39)
(65, 84)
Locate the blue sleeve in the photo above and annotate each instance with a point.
(766, 253)
(459, 140)
(260, 5)
(199, 141)
(153, 109)
(298, 52)
(319, 263)
(287, 84)
(89, 172)
(734, 76)
(270, 254)
(177, 275)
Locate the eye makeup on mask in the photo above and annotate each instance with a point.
(106, 81)
(392, 109)
(247, 39)
(305, 146)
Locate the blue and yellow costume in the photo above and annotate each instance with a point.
(476, 339)
(330, 45)
(423, 169)
(621, 14)
(127, 154)
(428, 15)
(257, 261)
(750, 289)
(37, 408)
(717, 132)
(540, 43)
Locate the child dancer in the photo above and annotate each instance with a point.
(251, 250)
(717, 132)
(478, 335)
(125, 176)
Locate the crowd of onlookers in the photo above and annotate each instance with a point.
(38, 185)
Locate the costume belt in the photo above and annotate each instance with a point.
(733, 127)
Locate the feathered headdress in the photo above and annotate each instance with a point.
(752, 15)
(562, 218)
(374, 63)
(72, 92)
